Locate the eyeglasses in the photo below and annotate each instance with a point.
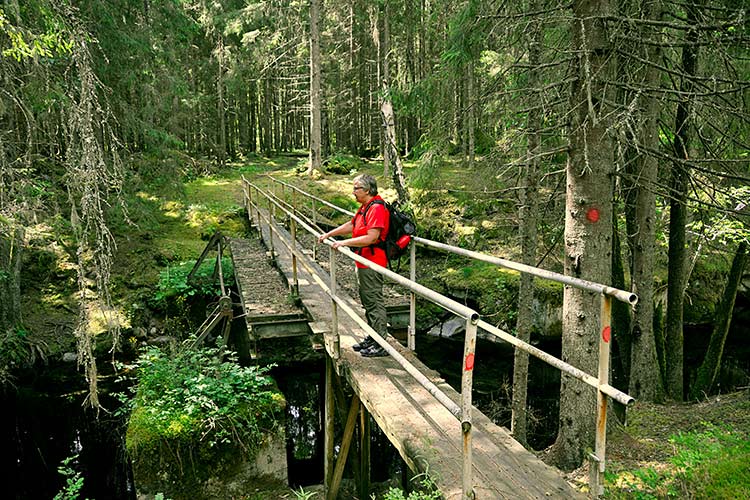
(356, 188)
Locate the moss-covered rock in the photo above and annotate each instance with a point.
(494, 292)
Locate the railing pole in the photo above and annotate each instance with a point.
(248, 200)
(411, 341)
(257, 209)
(467, 379)
(315, 224)
(293, 230)
(334, 307)
(270, 227)
(596, 476)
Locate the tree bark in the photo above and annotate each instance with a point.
(645, 381)
(709, 369)
(11, 244)
(315, 159)
(222, 153)
(588, 228)
(678, 219)
(527, 216)
(470, 122)
(391, 149)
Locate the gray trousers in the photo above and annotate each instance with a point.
(371, 295)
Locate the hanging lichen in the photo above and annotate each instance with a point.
(93, 172)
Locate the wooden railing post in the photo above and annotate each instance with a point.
(467, 379)
(257, 209)
(334, 307)
(411, 341)
(315, 224)
(293, 230)
(597, 465)
(270, 227)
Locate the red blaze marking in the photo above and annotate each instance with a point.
(592, 215)
(470, 362)
(607, 333)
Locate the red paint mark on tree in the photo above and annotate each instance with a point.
(470, 362)
(607, 333)
(592, 215)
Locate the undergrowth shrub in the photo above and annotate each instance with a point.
(193, 411)
(342, 164)
(425, 490)
(173, 290)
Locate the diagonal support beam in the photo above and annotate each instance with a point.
(346, 441)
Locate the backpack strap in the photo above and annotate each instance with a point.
(381, 239)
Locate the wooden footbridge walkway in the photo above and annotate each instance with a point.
(436, 429)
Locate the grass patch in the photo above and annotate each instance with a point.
(707, 463)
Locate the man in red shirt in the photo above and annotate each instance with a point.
(368, 227)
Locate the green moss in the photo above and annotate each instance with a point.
(494, 289)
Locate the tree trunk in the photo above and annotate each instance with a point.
(678, 219)
(222, 153)
(253, 132)
(470, 115)
(588, 229)
(386, 135)
(709, 369)
(315, 159)
(11, 244)
(620, 319)
(391, 149)
(527, 216)
(645, 381)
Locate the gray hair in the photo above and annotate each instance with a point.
(368, 182)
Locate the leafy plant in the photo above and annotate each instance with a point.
(173, 282)
(301, 494)
(426, 490)
(192, 397)
(73, 480)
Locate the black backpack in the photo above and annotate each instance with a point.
(401, 228)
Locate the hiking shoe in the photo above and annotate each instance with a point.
(374, 351)
(367, 342)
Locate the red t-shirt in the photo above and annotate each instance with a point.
(377, 217)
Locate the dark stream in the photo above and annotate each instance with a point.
(43, 423)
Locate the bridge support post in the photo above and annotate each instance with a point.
(596, 486)
(328, 432)
(364, 453)
(411, 341)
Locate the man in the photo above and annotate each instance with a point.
(368, 227)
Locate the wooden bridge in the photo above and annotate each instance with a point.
(435, 429)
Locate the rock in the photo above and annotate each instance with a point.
(163, 340)
(70, 357)
(454, 326)
(153, 331)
